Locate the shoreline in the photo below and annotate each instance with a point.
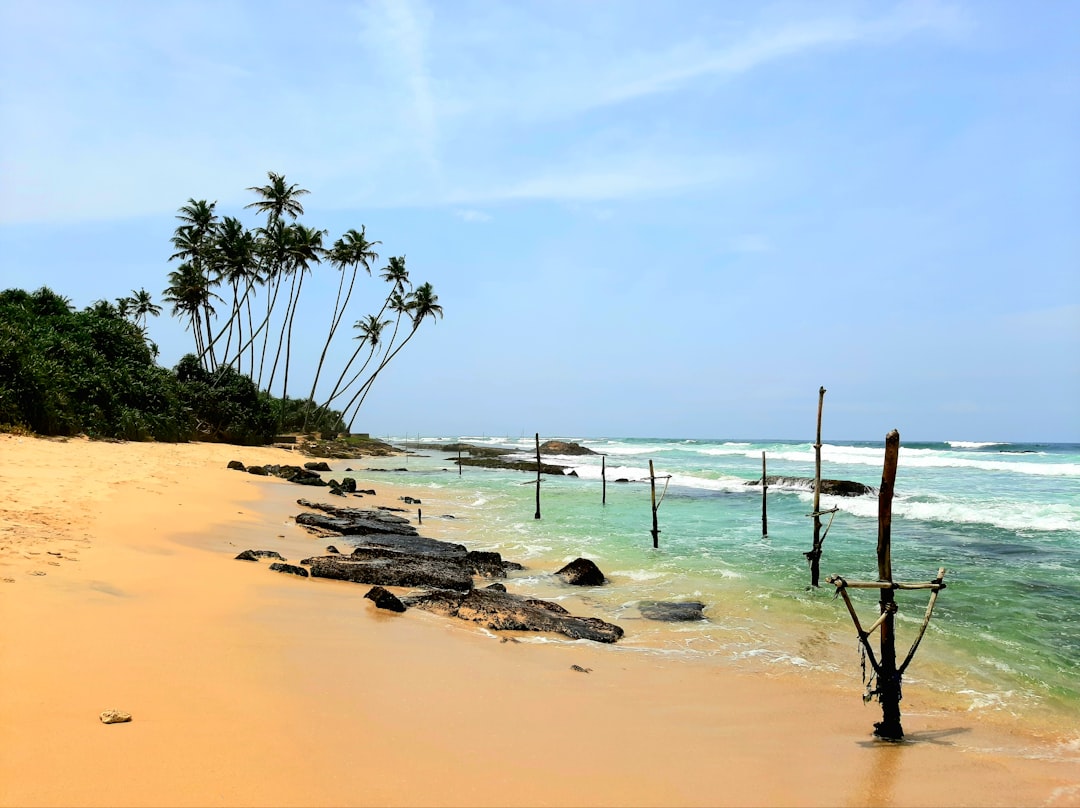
(251, 688)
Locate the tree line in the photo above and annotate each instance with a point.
(93, 371)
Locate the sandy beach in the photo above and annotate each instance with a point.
(118, 590)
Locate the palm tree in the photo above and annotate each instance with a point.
(351, 250)
(192, 241)
(142, 305)
(190, 296)
(419, 305)
(396, 274)
(233, 260)
(305, 248)
(278, 198)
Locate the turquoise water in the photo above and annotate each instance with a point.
(1003, 519)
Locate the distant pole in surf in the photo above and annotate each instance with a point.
(764, 489)
(419, 517)
(655, 527)
(459, 461)
(603, 479)
(814, 556)
(887, 673)
(537, 516)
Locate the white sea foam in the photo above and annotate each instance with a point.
(971, 444)
(1005, 515)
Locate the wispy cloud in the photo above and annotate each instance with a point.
(467, 215)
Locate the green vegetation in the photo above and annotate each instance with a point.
(66, 372)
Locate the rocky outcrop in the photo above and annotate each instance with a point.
(513, 465)
(290, 569)
(561, 447)
(317, 465)
(501, 611)
(671, 611)
(255, 555)
(836, 488)
(582, 572)
(354, 521)
(236, 465)
(394, 569)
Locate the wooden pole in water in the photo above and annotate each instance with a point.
(764, 489)
(888, 677)
(603, 477)
(537, 516)
(655, 528)
(814, 556)
(459, 461)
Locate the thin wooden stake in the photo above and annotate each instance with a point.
(419, 516)
(888, 676)
(459, 461)
(814, 556)
(764, 489)
(603, 478)
(537, 516)
(655, 527)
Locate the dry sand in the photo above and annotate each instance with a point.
(252, 688)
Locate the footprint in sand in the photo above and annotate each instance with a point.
(8, 580)
(36, 572)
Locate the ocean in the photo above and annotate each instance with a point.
(1002, 518)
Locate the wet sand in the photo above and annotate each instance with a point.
(118, 589)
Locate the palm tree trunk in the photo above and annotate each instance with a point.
(339, 314)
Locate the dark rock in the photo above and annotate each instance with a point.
(489, 565)
(514, 465)
(836, 488)
(337, 492)
(560, 447)
(255, 555)
(291, 569)
(348, 485)
(546, 605)
(259, 471)
(580, 669)
(410, 501)
(317, 465)
(394, 570)
(581, 572)
(622, 480)
(316, 480)
(475, 451)
(501, 611)
(369, 491)
(237, 465)
(385, 599)
(671, 612)
(497, 587)
(354, 521)
(332, 549)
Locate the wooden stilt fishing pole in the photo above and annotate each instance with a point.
(537, 516)
(764, 489)
(603, 478)
(655, 528)
(814, 556)
(886, 671)
(459, 461)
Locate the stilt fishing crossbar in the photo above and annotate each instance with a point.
(885, 670)
(656, 505)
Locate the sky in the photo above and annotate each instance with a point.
(642, 219)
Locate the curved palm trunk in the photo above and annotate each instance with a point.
(288, 352)
(271, 304)
(335, 321)
(338, 389)
(366, 387)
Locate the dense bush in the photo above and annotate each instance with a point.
(66, 372)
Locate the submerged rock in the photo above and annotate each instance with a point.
(836, 488)
(671, 611)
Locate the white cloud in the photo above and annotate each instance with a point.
(472, 215)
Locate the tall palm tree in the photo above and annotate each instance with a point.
(142, 305)
(351, 250)
(233, 260)
(190, 296)
(396, 274)
(420, 304)
(305, 248)
(192, 241)
(279, 198)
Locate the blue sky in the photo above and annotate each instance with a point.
(641, 219)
